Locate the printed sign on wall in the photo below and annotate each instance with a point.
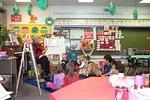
(15, 18)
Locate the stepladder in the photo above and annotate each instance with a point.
(27, 47)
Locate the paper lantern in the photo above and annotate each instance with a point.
(42, 4)
(49, 21)
(135, 14)
(16, 9)
(112, 8)
(29, 9)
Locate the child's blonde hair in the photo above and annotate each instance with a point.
(94, 69)
(70, 69)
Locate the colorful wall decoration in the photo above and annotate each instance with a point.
(32, 29)
(33, 19)
(108, 38)
(16, 18)
(87, 42)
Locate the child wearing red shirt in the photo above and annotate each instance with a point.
(70, 76)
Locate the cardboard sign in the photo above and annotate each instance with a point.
(15, 18)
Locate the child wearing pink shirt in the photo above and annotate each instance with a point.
(58, 79)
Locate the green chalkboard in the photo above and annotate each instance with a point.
(135, 38)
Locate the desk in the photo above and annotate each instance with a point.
(9, 67)
(93, 88)
(134, 95)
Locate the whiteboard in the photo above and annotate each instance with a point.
(55, 45)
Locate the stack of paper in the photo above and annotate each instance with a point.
(3, 93)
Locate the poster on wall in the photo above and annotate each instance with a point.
(15, 18)
(87, 43)
(88, 33)
(108, 38)
(105, 39)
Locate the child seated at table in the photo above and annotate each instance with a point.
(58, 79)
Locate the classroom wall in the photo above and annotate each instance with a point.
(89, 12)
(77, 12)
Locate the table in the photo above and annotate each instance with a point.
(9, 67)
(134, 95)
(93, 88)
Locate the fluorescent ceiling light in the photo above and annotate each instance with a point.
(23, 0)
(145, 1)
(85, 0)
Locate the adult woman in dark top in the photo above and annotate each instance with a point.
(41, 59)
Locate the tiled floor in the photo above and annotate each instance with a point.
(29, 92)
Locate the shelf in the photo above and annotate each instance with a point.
(106, 50)
(75, 39)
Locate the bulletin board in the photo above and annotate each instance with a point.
(135, 38)
(108, 38)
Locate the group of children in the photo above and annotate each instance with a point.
(63, 77)
(71, 71)
(112, 66)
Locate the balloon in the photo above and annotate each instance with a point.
(29, 9)
(135, 14)
(112, 8)
(42, 4)
(16, 9)
(49, 21)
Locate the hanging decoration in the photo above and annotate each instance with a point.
(112, 8)
(49, 21)
(33, 19)
(135, 14)
(29, 9)
(42, 4)
(16, 9)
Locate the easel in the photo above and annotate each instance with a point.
(28, 48)
(86, 53)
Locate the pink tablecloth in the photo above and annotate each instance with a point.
(94, 88)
